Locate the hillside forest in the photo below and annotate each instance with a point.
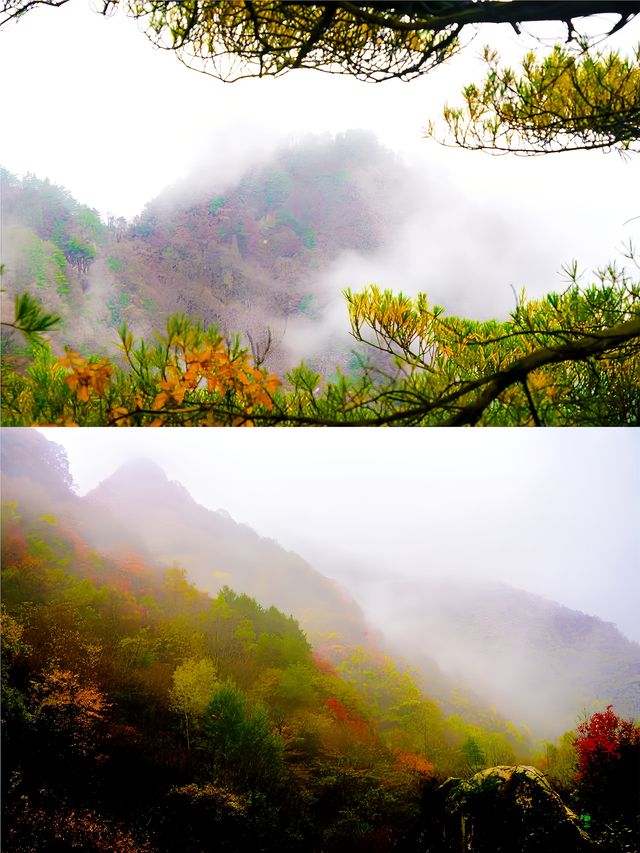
(242, 701)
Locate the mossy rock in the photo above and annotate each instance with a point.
(509, 810)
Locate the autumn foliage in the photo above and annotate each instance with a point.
(416, 763)
(608, 752)
(134, 704)
(191, 376)
(601, 739)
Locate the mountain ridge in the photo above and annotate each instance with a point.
(540, 663)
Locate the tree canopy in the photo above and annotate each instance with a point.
(371, 41)
(567, 100)
(571, 358)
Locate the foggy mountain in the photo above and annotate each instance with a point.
(250, 253)
(534, 661)
(139, 508)
(217, 551)
(532, 658)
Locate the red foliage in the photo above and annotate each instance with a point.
(352, 719)
(600, 740)
(133, 564)
(337, 708)
(415, 763)
(323, 664)
(81, 551)
(14, 544)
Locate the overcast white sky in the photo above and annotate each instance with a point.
(89, 103)
(554, 512)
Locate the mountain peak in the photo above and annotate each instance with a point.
(143, 467)
(142, 479)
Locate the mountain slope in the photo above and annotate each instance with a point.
(249, 256)
(138, 508)
(217, 551)
(534, 659)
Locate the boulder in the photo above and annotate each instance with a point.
(508, 810)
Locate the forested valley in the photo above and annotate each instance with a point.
(172, 681)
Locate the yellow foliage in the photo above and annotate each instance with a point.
(86, 376)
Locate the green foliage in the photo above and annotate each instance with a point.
(567, 100)
(43, 385)
(45, 263)
(90, 223)
(115, 264)
(215, 204)
(569, 359)
(560, 760)
(306, 306)
(129, 692)
(77, 252)
(189, 376)
(29, 317)
(144, 225)
(304, 232)
(473, 755)
(109, 666)
(116, 306)
(277, 188)
(240, 741)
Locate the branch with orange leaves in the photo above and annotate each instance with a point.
(191, 376)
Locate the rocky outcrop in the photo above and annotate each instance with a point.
(507, 810)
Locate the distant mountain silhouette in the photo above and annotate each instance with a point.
(139, 508)
(218, 551)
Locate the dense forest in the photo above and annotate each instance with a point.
(142, 713)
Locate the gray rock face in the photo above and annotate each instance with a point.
(508, 810)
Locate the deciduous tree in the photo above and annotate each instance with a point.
(194, 682)
(608, 749)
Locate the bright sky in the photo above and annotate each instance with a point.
(554, 512)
